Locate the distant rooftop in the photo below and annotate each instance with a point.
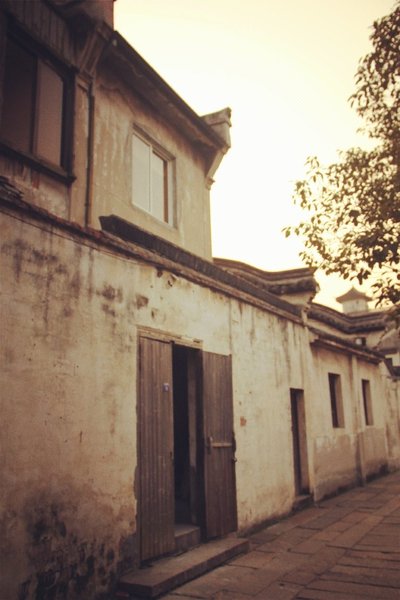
(292, 281)
(353, 294)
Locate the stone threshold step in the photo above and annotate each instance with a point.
(186, 537)
(169, 573)
(302, 501)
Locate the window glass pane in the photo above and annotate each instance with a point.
(140, 173)
(158, 187)
(17, 113)
(49, 112)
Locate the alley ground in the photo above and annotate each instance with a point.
(344, 548)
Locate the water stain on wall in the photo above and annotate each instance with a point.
(65, 561)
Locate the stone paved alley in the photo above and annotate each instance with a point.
(344, 548)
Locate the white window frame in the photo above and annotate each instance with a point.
(145, 199)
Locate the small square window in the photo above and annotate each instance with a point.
(335, 392)
(152, 179)
(366, 394)
(34, 99)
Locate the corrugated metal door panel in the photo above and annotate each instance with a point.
(219, 445)
(156, 495)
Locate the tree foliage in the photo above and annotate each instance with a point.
(353, 227)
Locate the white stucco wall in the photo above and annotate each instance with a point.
(118, 113)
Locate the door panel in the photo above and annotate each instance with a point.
(300, 461)
(155, 435)
(219, 445)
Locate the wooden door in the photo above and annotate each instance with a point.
(155, 444)
(219, 445)
(300, 462)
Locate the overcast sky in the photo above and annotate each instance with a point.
(286, 69)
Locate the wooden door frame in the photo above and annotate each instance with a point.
(164, 337)
(190, 344)
(167, 336)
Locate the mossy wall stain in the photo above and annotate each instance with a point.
(64, 562)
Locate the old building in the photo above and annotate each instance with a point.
(144, 385)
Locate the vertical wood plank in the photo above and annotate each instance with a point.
(219, 451)
(155, 435)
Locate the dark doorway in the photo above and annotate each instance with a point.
(185, 385)
(300, 460)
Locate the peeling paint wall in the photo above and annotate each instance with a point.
(73, 310)
(346, 455)
(266, 364)
(392, 418)
(334, 449)
(69, 430)
(38, 188)
(69, 403)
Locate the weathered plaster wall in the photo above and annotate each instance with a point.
(70, 355)
(69, 416)
(392, 418)
(118, 111)
(346, 455)
(334, 449)
(266, 364)
(372, 438)
(38, 188)
(69, 402)
(72, 310)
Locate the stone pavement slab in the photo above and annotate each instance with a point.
(357, 532)
(324, 588)
(346, 548)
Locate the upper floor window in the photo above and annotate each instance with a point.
(34, 105)
(152, 179)
(335, 392)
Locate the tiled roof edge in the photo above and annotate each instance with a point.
(131, 233)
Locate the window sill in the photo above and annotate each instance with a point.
(38, 164)
(153, 218)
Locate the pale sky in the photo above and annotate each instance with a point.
(286, 69)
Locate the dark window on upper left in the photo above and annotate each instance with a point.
(34, 96)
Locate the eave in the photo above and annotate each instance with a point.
(351, 325)
(133, 234)
(321, 339)
(124, 239)
(145, 82)
(290, 281)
